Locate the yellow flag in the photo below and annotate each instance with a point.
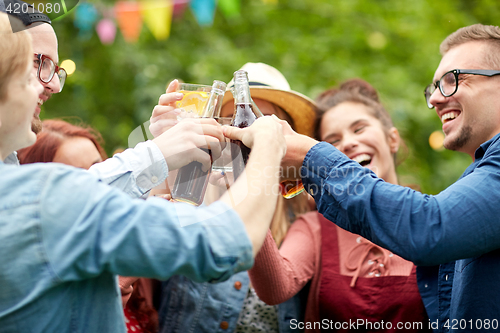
(157, 15)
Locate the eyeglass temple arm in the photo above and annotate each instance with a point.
(485, 72)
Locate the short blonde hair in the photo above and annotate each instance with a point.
(476, 33)
(16, 51)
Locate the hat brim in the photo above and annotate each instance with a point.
(299, 107)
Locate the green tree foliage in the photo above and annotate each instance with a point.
(316, 44)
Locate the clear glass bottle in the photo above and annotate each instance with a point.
(191, 182)
(245, 113)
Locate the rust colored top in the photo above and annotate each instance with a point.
(278, 275)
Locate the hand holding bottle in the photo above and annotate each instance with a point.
(165, 114)
(267, 130)
(181, 144)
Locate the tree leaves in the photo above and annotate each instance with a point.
(316, 44)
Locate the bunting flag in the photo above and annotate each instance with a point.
(157, 15)
(129, 20)
(106, 30)
(204, 11)
(85, 17)
(179, 7)
(230, 8)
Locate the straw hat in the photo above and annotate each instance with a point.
(268, 84)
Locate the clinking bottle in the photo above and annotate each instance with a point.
(191, 182)
(245, 113)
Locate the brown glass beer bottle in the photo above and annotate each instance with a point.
(191, 182)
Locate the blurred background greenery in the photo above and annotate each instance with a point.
(316, 44)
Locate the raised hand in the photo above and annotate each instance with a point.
(181, 144)
(268, 129)
(165, 114)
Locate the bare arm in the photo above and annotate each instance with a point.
(254, 195)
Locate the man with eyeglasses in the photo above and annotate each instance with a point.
(135, 171)
(453, 237)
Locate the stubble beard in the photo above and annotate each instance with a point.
(464, 137)
(36, 125)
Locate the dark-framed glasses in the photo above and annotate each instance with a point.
(448, 84)
(47, 68)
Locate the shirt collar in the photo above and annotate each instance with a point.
(479, 153)
(11, 159)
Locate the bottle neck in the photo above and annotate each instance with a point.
(241, 88)
(214, 103)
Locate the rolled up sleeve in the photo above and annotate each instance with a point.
(135, 171)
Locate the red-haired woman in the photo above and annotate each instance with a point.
(62, 142)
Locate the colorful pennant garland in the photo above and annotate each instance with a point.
(156, 14)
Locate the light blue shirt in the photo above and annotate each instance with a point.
(64, 236)
(135, 171)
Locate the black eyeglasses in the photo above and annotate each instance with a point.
(448, 84)
(47, 68)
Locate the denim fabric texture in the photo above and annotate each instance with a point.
(190, 307)
(135, 171)
(65, 236)
(457, 229)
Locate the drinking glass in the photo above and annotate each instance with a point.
(291, 188)
(191, 181)
(194, 100)
(224, 163)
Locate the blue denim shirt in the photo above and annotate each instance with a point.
(457, 229)
(65, 235)
(190, 307)
(135, 171)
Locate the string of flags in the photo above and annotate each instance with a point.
(129, 16)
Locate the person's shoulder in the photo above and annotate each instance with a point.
(309, 220)
(26, 184)
(45, 169)
(46, 175)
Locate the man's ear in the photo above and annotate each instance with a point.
(394, 140)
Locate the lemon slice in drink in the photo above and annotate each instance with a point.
(193, 102)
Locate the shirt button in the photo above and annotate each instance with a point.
(237, 285)
(426, 285)
(311, 191)
(446, 277)
(154, 179)
(224, 325)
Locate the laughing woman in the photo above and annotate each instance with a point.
(349, 278)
